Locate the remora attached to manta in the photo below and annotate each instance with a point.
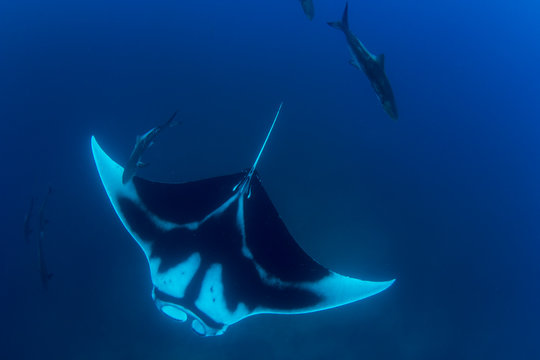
(373, 66)
(218, 250)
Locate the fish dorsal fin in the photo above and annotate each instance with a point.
(380, 60)
(243, 185)
(345, 16)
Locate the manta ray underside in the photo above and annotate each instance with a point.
(219, 252)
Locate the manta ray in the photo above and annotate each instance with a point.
(218, 251)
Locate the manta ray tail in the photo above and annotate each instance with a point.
(244, 184)
(344, 23)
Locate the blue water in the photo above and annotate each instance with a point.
(446, 200)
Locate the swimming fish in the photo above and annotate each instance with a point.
(373, 66)
(142, 143)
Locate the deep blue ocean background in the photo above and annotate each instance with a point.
(446, 199)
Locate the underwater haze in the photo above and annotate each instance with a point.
(446, 199)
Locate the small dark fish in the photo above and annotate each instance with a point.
(373, 66)
(309, 10)
(27, 218)
(44, 273)
(141, 145)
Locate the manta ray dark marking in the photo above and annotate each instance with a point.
(218, 250)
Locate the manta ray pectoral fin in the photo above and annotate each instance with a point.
(111, 173)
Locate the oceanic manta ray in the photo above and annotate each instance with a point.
(218, 250)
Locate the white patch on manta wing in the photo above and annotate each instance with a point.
(335, 290)
(240, 222)
(175, 280)
(220, 208)
(194, 225)
(212, 301)
(270, 280)
(110, 173)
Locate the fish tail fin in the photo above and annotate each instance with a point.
(344, 23)
(171, 122)
(309, 10)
